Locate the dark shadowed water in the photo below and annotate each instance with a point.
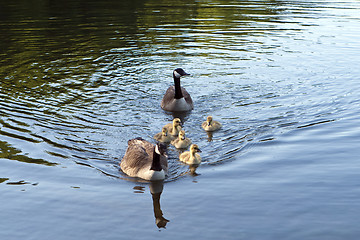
(78, 79)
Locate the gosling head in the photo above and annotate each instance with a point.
(179, 72)
(176, 122)
(209, 120)
(194, 148)
(164, 132)
(182, 135)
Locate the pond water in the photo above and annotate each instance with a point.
(79, 79)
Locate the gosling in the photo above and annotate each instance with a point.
(209, 125)
(182, 141)
(192, 156)
(174, 128)
(163, 136)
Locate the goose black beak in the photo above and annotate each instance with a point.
(183, 73)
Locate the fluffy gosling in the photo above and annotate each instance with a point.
(192, 156)
(182, 141)
(174, 128)
(163, 136)
(210, 125)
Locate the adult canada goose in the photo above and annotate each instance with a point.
(174, 128)
(182, 141)
(176, 98)
(192, 156)
(163, 136)
(144, 160)
(210, 125)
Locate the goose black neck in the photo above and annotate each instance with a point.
(178, 93)
(156, 166)
(156, 204)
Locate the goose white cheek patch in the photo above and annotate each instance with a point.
(176, 74)
(157, 150)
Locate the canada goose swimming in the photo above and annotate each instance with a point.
(176, 98)
(144, 160)
(163, 136)
(182, 141)
(210, 125)
(192, 156)
(174, 128)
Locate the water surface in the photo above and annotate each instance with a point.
(78, 79)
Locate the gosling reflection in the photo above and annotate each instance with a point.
(210, 136)
(192, 168)
(156, 188)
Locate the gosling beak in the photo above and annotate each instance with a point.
(198, 150)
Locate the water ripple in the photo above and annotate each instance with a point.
(77, 88)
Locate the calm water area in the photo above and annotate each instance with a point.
(78, 79)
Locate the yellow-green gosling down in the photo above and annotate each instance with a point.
(192, 156)
(163, 136)
(210, 125)
(174, 128)
(182, 141)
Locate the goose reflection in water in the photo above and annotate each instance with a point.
(156, 188)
